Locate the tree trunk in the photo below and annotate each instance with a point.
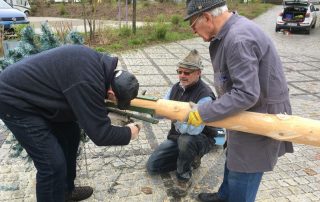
(134, 14)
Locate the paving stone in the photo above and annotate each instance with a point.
(299, 66)
(285, 191)
(310, 86)
(155, 81)
(147, 70)
(137, 62)
(133, 54)
(291, 182)
(297, 76)
(312, 74)
(155, 49)
(162, 56)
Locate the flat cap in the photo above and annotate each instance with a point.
(125, 86)
(199, 6)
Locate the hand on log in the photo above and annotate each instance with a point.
(194, 117)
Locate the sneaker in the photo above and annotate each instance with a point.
(79, 194)
(180, 189)
(209, 197)
(196, 162)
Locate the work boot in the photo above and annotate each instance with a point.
(196, 162)
(180, 189)
(209, 197)
(79, 194)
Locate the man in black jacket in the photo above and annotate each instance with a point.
(46, 97)
(185, 144)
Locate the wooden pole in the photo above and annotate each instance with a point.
(277, 126)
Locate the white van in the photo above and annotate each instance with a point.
(21, 5)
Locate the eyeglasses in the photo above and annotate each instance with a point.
(184, 72)
(194, 22)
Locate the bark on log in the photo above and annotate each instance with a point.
(277, 126)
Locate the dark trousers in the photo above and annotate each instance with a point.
(239, 187)
(179, 155)
(53, 149)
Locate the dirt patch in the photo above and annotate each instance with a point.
(147, 11)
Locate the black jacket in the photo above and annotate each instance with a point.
(65, 84)
(192, 93)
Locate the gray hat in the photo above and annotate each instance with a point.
(125, 86)
(192, 61)
(199, 6)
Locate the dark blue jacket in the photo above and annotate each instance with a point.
(65, 84)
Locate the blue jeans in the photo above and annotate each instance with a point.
(179, 155)
(53, 149)
(239, 187)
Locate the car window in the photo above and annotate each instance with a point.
(4, 5)
(312, 8)
(296, 3)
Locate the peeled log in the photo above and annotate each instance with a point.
(277, 126)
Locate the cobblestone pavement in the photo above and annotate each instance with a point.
(118, 173)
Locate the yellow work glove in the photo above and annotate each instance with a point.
(194, 117)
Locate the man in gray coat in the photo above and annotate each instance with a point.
(248, 76)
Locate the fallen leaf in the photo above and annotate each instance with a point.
(310, 171)
(146, 190)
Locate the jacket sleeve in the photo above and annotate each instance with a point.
(240, 83)
(87, 104)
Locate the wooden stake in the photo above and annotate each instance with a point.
(277, 126)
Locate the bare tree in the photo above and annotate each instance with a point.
(134, 14)
(1, 40)
(40, 5)
(89, 10)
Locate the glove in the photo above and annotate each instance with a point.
(194, 117)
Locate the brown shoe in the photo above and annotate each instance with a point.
(180, 189)
(79, 194)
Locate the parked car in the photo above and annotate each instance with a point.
(297, 15)
(10, 16)
(21, 5)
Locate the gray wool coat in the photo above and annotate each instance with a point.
(248, 76)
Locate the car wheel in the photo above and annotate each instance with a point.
(27, 13)
(314, 25)
(308, 31)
